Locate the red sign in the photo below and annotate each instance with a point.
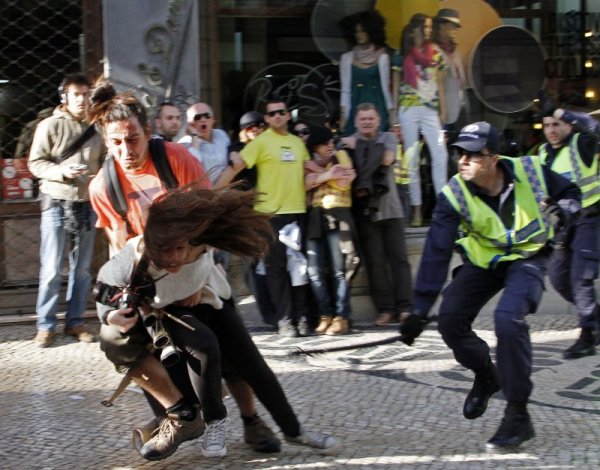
(17, 181)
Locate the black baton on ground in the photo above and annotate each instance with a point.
(309, 352)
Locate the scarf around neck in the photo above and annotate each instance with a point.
(366, 55)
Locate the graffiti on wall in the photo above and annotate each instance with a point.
(312, 92)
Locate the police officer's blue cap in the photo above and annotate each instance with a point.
(477, 136)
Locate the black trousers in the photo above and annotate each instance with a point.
(240, 352)
(289, 302)
(465, 296)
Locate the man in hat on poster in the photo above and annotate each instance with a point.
(508, 211)
(445, 25)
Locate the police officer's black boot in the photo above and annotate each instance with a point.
(584, 346)
(516, 428)
(484, 386)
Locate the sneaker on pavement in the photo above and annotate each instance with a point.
(215, 435)
(260, 437)
(170, 434)
(81, 333)
(142, 434)
(323, 443)
(287, 330)
(44, 338)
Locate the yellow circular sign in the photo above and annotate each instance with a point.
(397, 14)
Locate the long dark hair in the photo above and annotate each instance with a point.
(408, 39)
(221, 218)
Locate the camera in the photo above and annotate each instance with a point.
(128, 297)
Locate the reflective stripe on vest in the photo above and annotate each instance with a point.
(401, 165)
(487, 240)
(569, 164)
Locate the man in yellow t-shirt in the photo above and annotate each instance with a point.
(279, 158)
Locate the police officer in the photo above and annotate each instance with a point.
(574, 267)
(501, 207)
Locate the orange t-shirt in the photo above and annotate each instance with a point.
(141, 188)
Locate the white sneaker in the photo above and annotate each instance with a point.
(324, 443)
(213, 444)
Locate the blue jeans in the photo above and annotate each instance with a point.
(323, 253)
(54, 238)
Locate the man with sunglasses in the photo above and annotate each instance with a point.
(207, 144)
(507, 211)
(574, 267)
(279, 158)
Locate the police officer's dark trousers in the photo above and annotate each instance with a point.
(465, 296)
(574, 268)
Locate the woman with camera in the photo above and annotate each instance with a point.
(182, 226)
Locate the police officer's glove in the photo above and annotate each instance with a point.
(554, 214)
(411, 328)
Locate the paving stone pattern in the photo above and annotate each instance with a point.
(390, 406)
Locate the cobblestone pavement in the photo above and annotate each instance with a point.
(390, 406)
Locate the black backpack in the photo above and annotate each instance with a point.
(158, 154)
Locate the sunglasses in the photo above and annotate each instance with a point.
(304, 131)
(475, 156)
(199, 116)
(256, 125)
(281, 112)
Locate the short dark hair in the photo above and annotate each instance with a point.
(548, 111)
(163, 105)
(75, 79)
(166, 103)
(71, 79)
(273, 101)
(367, 107)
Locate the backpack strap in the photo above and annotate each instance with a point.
(115, 191)
(113, 187)
(158, 153)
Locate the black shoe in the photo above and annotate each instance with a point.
(584, 346)
(484, 386)
(288, 330)
(516, 428)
